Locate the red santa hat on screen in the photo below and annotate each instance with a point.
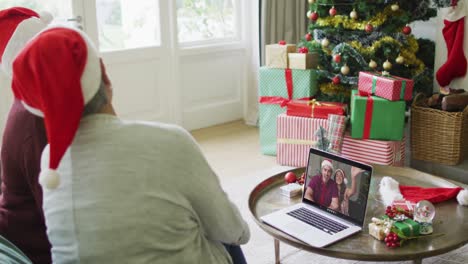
(392, 190)
(327, 163)
(55, 76)
(18, 25)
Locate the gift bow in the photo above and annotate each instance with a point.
(314, 103)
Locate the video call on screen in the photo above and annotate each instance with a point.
(330, 184)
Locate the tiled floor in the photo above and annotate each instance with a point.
(233, 152)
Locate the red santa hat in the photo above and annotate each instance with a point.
(18, 25)
(327, 163)
(56, 75)
(391, 190)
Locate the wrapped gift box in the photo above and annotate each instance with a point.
(386, 86)
(409, 228)
(276, 88)
(374, 151)
(291, 190)
(377, 231)
(303, 61)
(276, 55)
(373, 117)
(315, 109)
(295, 138)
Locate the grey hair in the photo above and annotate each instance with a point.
(97, 102)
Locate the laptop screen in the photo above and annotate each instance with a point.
(338, 185)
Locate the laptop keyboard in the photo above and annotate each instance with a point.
(323, 223)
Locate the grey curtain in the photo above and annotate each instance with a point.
(281, 20)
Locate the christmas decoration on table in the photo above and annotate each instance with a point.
(424, 212)
(276, 55)
(276, 88)
(383, 152)
(386, 86)
(294, 184)
(295, 136)
(314, 108)
(369, 35)
(373, 117)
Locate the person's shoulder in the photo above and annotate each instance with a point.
(159, 131)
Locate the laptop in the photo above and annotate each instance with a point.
(331, 208)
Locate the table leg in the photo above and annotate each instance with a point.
(417, 261)
(277, 251)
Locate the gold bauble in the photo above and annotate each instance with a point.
(373, 64)
(311, 1)
(400, 60)
(387, 65)
(325, 42)
(308, 13)
(345, 69)
(395, 7)
(353, 14)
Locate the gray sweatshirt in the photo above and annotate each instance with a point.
(138, 192)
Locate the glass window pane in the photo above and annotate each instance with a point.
(126, 24)
(199, 20)
(58, 8)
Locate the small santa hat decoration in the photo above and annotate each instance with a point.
(391, 190)
(55, 75)
(18, 25)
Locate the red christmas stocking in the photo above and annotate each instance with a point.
(453, 32)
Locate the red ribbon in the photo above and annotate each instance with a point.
(281, 100)
(368, 114)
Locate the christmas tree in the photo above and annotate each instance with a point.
(368, 35)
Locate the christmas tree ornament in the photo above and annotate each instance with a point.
(282, 42)
(395, 7)
(369, 28)
(353, 14)
(311, 1)
(314, 16)
(387, 65)
(337, 58)
(325, 42)
(308, 37)
(372, 64)
(336, 80)
(345, 69)
(406, 30)
(400, 59)
(303, 50)
(332, 11)
(454, 34)
(309, 13)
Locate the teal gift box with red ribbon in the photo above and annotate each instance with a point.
(277, 87)
(386, 86)
(373, 117)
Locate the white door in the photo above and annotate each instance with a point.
(176, 61)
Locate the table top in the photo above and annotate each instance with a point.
(450, 223)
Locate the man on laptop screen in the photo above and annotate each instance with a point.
(333, 204)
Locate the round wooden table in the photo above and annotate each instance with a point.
(450, 222)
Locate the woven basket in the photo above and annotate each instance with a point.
(438, 136)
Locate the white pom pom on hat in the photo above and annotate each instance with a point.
(462, 197)
(57, 74)
(49, 178)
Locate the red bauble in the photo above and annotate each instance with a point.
(290, 177)
(303, 50)
(369, 28)
(332, 11)
(336, 80)
(406, 30)
(308, 37)
(337, 58)
(282, 42)
(314, 16)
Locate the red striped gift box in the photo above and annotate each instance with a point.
(295, 136)
(374, 151)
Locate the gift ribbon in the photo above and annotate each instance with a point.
(403, 84)
(368, 115)
(281, 100)
(292, 141)
(314, 103)
(410, 228)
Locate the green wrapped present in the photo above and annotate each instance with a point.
(408, 227)
(276, 88)
(373, 117)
